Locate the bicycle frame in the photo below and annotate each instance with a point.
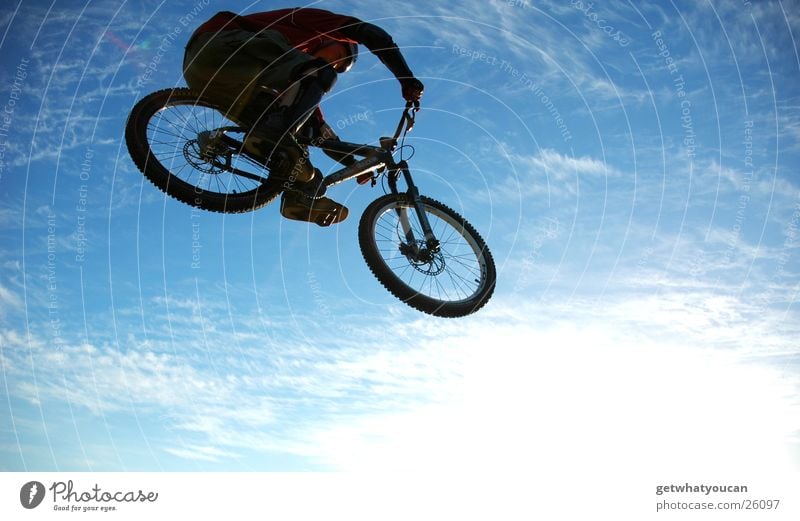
(380, 157)
(374, 157)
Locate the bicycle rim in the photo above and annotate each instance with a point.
(175, 138)
(455, 281)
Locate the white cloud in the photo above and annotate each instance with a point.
(200, 453)
(550, 397)
(9, 301)
(548, 172)
(564, 167)
(519, 384)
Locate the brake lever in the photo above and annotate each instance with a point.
(411, 113)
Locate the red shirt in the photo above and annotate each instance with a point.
(305, 28)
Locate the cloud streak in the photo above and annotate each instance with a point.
(401, 394)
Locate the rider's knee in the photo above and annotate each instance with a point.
(327, 77)
(319, 72)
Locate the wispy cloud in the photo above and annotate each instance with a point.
(200, 453)
(411, 391)
(505, 405)
(549, 172)
(9, 301)
(233, 393)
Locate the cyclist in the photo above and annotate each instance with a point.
(269, 71)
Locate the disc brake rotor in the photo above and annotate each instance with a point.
(427, 262)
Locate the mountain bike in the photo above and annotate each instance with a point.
(422, 251)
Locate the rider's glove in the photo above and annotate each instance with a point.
(412, 90)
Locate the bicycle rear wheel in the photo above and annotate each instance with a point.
(453, 281)
(189, 150)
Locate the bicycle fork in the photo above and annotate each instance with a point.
(411, 247)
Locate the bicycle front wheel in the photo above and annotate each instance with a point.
(453, 279)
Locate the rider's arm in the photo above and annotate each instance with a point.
(381, 44)
(378, 41)
(343, 27)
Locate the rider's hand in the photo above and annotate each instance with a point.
(412, 90)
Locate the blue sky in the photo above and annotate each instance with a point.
(633, 166)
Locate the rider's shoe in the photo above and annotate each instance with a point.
(322, 211)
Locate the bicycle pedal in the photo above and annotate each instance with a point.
(334, 216)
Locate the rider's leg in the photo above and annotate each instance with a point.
(240, 73)
(316, 79)
(298, 102)
(233, 68)
(313, 80)
(249, 76)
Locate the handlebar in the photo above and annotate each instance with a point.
(407, 119)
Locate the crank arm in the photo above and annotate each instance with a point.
(235, 171)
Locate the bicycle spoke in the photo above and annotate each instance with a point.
(171, 128)
(452, 273)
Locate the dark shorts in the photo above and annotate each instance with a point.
(229, 67)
